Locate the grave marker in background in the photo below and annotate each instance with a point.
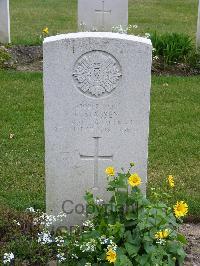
(4, 21)
(97, 101)
(102, 15)
(198, 28)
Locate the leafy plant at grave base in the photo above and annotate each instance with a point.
(128, 230)
(19, 236)
(4, 57)
(174, 48)
(44, 33)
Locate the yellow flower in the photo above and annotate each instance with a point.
(134, 180)
(110, 171)
(171, 180)
(162, 234)
(180, 209)
(111, 256)
(45, 30)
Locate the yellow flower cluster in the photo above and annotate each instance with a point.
(180, 209)
(110, 171)
(111, 256)
(134, 180)
(171, 180)
(162, 234)
(45, 30)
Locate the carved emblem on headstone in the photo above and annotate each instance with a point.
(97, 73)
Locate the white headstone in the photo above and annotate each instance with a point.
(4, 21)
(102, 15)
(97, 101)
(198, 27)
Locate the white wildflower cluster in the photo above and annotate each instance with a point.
(88, 224)
(124, 29)
(76, 243)
(16, 222)
(119, 29)
(89, 246)
(61, 257)
(48, 220)
(155, 58)
(161, 241)
(88, 264)
(108, 241)
(30, 209)
(59, 241)
(112, 246)
(8, 257)
(99, 201)
(132, 26)
(75, 229)
(103, 240)
(74, 256)
(147, 35)
(44, 237)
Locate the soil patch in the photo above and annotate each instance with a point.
(30, 58)
(192, 233)
(25, 58)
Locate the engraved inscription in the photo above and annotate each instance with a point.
(101, 118)
(97, 73)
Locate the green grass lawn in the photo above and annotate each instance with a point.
(29, 17)
(174, 146)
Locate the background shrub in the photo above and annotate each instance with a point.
(172, 48)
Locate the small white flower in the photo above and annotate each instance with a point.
(49, 219)
(18, 223)
(147, 35)
(134, 26)
(88, 264)
(161, 241)
(59, 241)
(30, 209)
(74, 256)
(99, 201)
(89, 246)
(103, 240)
(155, 57)
(88, 224)
(61, 257)
(112, 246)
(44, 238)
(8, 257)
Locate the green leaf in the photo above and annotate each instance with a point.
(149, 248)
(132, 249)
(123, 260)
(121, 197)
(143, 260)
(181, 238)
(131, 216)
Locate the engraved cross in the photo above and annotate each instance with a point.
(103, 12)
(96, 157)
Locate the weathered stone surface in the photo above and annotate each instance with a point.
(198, 27)
(99, 15)
(97, 101)
(4, 21)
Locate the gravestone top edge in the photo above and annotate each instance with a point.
(108, 35)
